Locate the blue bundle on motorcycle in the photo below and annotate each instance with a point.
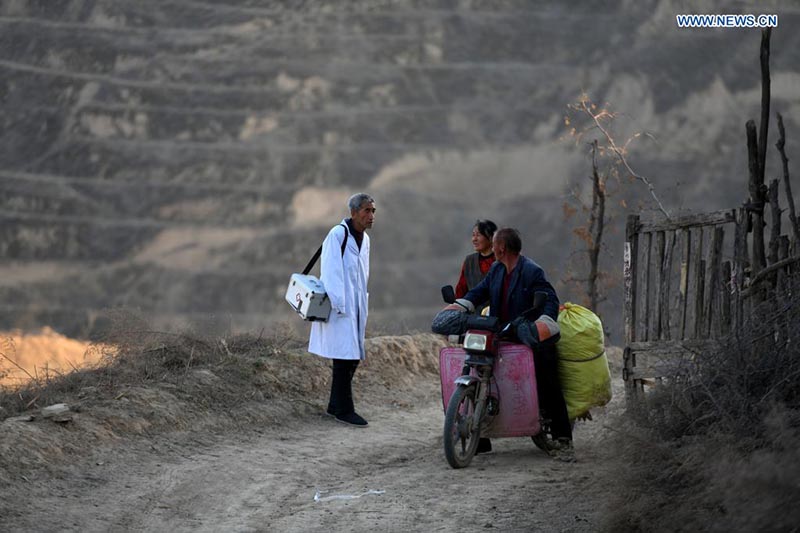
(544, 331)
(450, 322)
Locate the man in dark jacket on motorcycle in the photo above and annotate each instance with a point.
(509, 287)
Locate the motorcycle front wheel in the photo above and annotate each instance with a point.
(461, 435)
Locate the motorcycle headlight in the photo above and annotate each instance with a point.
(475, 341)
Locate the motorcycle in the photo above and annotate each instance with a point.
(489, 386)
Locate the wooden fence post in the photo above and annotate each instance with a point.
(739, 266)
(658, 284)
(775, 222)
(756, 199)
(712, 314)
(664, 287)
(696, 284)
(686, 247)
(643, 330)
(725, 308)
(630, 256)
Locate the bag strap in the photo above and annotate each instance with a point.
(311, 263)
(601, 354)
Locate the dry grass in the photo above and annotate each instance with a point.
(717, 448)
(203, 382)
(134, 355)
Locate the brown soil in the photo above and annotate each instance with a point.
(118, 466)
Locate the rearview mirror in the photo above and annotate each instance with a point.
(539, 301)
(448, 294)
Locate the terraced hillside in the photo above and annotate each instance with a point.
(184, 157)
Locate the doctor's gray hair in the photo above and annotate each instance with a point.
(357, 200)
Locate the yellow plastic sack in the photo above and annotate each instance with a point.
(582, 362)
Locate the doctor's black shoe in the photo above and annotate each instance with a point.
(352, 419)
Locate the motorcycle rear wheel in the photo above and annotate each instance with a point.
(461, 435)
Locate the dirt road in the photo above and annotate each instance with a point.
(267, 481)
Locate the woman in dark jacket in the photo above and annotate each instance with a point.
(477, 264)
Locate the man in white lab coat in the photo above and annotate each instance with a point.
(344, 273)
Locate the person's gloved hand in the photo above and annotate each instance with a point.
(517, 322)
(450, 321)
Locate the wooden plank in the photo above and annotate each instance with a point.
(631, 254)
(699, 329)
(686, 236)
(694, 283)
(690, 221)
(644, 313)
(658, 260)
(696, 346)
(711, 314)
(725, 298)
(783, 254)
(658, 364)
(775, 222)
(663, 359)
(657, 257)
(630, 266)
(665, 285)
(739, 266)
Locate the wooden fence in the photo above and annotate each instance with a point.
(692, 281)
(688, 284)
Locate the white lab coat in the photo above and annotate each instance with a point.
(345, 280)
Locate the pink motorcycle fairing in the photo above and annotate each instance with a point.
(513, 385)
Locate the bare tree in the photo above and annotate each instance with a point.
(597, 219)
(585, 119)
(599, 118)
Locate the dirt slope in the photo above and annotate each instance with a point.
(264, 478)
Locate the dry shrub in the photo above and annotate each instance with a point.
(717, 446)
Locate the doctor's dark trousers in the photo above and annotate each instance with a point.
(341, 401)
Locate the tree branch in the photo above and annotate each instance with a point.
(620, 155)
(765, 96)
(787, 184)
